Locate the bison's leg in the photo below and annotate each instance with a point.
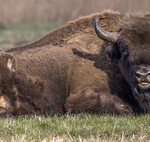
(90, 101)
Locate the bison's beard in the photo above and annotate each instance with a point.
(144, 92)
(145, 95)
(143, 99)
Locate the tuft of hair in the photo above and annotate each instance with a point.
(136, 26)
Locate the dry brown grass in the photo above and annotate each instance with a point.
(46, 11)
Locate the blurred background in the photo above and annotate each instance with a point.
(23, 21)
(47, 11)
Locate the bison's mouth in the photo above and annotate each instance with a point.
(143, 86)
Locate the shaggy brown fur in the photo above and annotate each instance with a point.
(64, 64)
(136, 33)
(76, 31)
(90, 100)
(21, 91)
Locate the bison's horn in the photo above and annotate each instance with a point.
(108, 36)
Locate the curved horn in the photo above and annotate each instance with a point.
(101, 33)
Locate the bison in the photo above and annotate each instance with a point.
(74, 70)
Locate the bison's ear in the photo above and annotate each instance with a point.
(8, 60)
(11, 64)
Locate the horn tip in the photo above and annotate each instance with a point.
(96, 20)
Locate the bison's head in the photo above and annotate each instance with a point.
(7, 71)
(131, 48)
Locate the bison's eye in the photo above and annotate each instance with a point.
(123, 48)
(137, 74)
(148, 77)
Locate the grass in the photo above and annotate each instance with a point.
(19, 34)
(81, 128)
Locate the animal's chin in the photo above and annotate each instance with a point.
(143, 87)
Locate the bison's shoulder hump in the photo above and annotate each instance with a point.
(77, 30)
